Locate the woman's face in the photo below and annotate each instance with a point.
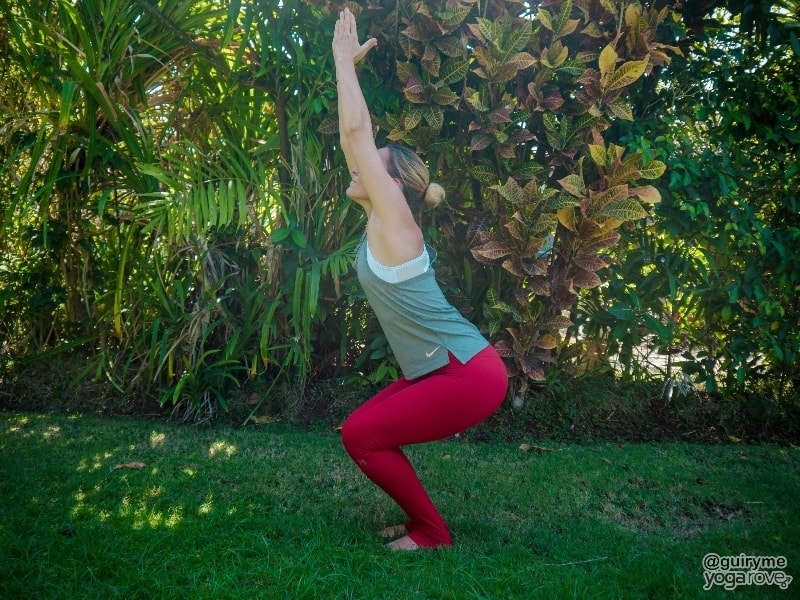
(355, 190)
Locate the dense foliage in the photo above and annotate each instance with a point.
(171, 195)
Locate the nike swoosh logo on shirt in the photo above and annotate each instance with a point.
(432, 352)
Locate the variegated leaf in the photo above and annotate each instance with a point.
(624, 210)
(625, 74)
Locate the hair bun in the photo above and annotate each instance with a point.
(434, 195)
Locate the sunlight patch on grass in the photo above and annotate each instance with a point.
(208, 506)
(95, 463)
(221, 448)
(157, 439)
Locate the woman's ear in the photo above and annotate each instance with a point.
(399, 182)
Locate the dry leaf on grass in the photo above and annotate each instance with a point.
(261, 419)
(130, 465)
(529, 447)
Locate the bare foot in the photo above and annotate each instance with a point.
(393, 531)
(404, 543)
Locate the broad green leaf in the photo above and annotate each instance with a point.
(434, 116)
(624, 210)
(451, 46)
(574, 185)
(598, 154)
(653, 170)
(453, 70)
(444, 96)
(545, 18)
(452, 17)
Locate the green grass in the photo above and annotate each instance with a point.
(280, 512)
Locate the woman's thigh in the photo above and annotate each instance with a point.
(438, 405)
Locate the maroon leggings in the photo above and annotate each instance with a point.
(443, 403)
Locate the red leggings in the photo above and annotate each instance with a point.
(443, 403)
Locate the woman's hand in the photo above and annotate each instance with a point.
(345, 39)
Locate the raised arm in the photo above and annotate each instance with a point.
(393, 234)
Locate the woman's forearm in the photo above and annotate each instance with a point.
(354, 116)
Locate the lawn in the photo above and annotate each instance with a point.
(125, 508)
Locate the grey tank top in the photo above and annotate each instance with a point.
(418, 321)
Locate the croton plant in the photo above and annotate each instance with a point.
(510, 102)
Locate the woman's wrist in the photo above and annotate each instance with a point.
(344, 62)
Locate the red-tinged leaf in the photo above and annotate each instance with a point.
(536, 374)
(511, 191)
(516, 230)
(523, 60)
(412, 32)
(479, 141)
(512, 267)
(507, 150)
(415, 91)
(520, 136)
(492, 251)
(475, 32)
(590, 262)
(503, 72)
(598, 201)
(553, 100)
(586, 280)
(501, 115)
(535, 267)
(539, 286)
(130, 465)
(431, 61)
(646, 193)
(624, 173)
(504, 350)
(329, 125)
(590, 77)
(406, 70)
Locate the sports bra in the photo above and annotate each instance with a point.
(412, 268)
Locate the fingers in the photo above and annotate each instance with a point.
(348, 21)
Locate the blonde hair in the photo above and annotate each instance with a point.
(408, 167)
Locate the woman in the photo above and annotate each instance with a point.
(452, 378)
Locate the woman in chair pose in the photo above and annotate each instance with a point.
(452, 377)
